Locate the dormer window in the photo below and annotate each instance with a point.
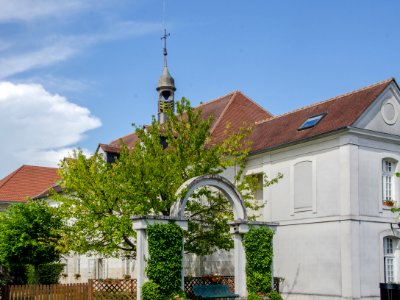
(311, 121)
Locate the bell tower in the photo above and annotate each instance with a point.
(165, 88)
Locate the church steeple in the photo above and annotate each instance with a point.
(166, 87)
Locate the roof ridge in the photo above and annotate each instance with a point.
(216, 99)
(9, 176)
(258, 105)
(234, 94)
(44, 191)
(119, 139)
(328, 100)
(40, 167)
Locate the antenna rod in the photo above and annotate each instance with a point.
(166, 35)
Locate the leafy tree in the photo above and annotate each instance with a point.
(100, 198)
(29, 233)
(396, 209)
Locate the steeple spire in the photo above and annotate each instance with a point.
(166, 86)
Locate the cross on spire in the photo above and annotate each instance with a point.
(164, 37)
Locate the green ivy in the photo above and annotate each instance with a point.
(164, 266)
(151, 291)
(259, 252)
(275, 296)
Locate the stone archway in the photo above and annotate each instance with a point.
(239, 226)
(221, 183)
(240, 218)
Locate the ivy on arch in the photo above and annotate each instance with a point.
(164, 265)
(259, 253)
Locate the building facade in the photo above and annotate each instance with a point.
(337, 237)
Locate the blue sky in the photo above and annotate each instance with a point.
(78, 72)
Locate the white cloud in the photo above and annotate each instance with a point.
(60, 84)
(38, 127)
(27, 10)
(47, 56)
(64, 47)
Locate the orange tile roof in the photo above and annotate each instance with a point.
(235, 108)
(269, 131)
(27, 181)
(341, 112)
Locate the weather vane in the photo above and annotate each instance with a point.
(164, 37)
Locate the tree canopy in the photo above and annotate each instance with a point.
(99, 198)
(29, 235)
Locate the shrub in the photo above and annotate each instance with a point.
(47, 273)
(258, 246)
(164, 266)
(180, 295)
(252, 296)
(151, 291)
(274, 295)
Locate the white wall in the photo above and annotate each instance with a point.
(333, 250)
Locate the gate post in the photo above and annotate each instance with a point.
(238, 229)
(139, 224)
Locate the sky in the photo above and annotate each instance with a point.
(76, 73)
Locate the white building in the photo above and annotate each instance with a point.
(337, 237)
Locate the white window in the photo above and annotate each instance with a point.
(258, 196)
(126, 266)
(388, 183)
(92, 268)
(77, 266)
(389, 250)
(64, 261)
(101, 268)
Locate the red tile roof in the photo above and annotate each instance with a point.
(109, 148)
(27, 181)
(235, 108)
(269, 131)
(341, 112)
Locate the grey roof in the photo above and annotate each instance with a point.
(166, 80)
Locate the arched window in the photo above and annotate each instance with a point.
(391, 253)
(388, 183)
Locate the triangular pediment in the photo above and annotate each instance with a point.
(383, 115)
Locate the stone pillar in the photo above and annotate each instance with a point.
(240, 265)
(139, 224)
(238, 229)
(142, 253)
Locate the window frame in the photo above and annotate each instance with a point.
(320, 116)
(390, 259)
(77, 265)
(388, 171)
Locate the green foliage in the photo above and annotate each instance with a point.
(180, 295)
(164, 266)
(396, 209)
(151, 291)
(259, 253)
(253, 296)
(45, 273)
(101, 197)
(29, 235)
(274, 295)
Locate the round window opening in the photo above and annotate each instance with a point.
(390, 112)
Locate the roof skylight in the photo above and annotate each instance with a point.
(312, 121)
